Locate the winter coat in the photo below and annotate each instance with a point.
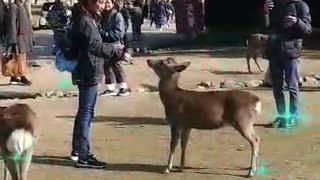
(57, 16)
(19, 30)
(91, 50)
(125, 12)
(160, 13)
(113, 27)
(288, 41)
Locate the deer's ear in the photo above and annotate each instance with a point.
(182, 66)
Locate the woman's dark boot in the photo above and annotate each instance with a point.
(25, 81)
(14, 81)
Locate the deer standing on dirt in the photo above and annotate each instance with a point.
(17, 135)
(186, 110)
(257, 45)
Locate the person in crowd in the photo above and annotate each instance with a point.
(125, 11)
(3, 22)
(169, 11)
(160, 14)
(290, 22)
(113, 31)
(152, 12)
(19, 39)
(137, 20)
(57, 18)
(91, 53)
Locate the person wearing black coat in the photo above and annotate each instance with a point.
(290, 22)
(137, 20)
(92, 53)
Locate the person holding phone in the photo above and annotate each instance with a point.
(290, 22)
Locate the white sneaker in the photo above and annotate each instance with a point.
(74, 156)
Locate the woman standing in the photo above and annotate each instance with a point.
(137, 20)
(19, 39)
(125, 12)
(91, 53)
(160, 14)
(113, 31)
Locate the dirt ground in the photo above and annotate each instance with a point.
(131, 135)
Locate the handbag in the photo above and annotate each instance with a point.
(13, 65)
(7, 65)
(64, 64)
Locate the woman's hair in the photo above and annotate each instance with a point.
(86, 2)
(118, 4)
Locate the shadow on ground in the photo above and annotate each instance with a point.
(219, 72)
(150, 88)
(124, 120)
(133, 167)
(217, 52)
(52, 160)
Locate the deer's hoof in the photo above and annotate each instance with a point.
(251, 174)
(167, 171)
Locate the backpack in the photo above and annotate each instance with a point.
(57, 16)
(67, 56)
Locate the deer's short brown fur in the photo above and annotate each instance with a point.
(17, 117)
(257, 45)
(186, 110)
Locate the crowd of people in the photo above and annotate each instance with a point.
(99, 29)
(161, 13)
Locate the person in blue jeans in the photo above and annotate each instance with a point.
(290, 22)
(91, 53)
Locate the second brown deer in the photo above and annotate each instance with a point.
(186, 110)
(18, 134)
(257, 44)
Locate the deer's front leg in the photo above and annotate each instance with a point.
(175, 137)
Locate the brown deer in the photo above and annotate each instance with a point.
(17, 136)
(257, 45)
(186, 110)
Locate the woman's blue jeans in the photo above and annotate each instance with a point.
(82, 124)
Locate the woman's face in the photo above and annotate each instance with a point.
(109, 5)
(96, 7)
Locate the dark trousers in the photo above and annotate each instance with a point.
(82, 124)
(113, 72)
(136, 29)
(281, 69)
(125, 37)
(57, 37)
(152, 20)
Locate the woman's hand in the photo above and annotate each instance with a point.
(122, 55)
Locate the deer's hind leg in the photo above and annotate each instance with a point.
(255, 58)
(246, 129)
